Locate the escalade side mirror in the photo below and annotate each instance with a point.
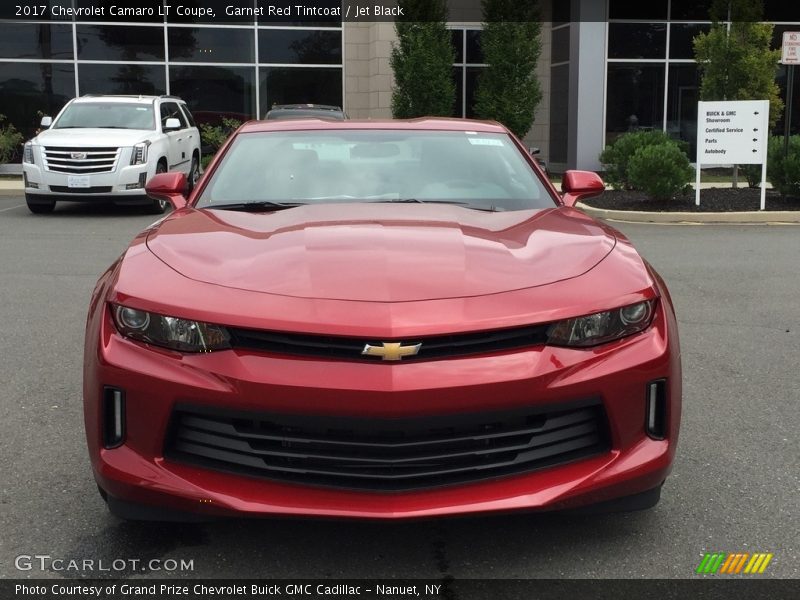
(577, 185)
(46, 122)
(169, 187)
(172, 124)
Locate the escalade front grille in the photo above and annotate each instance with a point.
(387, 454)
(80, 161)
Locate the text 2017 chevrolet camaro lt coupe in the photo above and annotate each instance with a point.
(379, 320)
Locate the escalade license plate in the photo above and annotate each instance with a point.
(78, 181)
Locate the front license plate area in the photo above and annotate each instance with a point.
(78, 181)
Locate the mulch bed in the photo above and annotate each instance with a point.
(711, 200)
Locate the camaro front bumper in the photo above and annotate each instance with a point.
(156, 383)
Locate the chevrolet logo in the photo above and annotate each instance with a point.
(78, 155)
(391, 350)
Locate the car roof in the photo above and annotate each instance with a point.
(424, 123)
(124, 99)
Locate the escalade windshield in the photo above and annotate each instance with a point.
(484, 171)
(107, 115)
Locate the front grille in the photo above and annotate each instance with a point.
(352, 348)
(386, 454)
(80, 161)
(98, 189)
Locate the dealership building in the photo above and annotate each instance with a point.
(607, 66)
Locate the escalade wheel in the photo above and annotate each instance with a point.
(194, 174)
(157, 207)
(39, 205)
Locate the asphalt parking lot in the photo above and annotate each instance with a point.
(735, 486)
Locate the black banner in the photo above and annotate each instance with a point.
(365, 589)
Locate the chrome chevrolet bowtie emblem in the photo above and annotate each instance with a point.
(78, 155)
(391, 350)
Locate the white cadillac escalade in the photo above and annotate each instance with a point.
(101, 148)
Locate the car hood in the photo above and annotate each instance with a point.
(381, 252)
(92, 137)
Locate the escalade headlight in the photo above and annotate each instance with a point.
(169, 332)
(602, 327)
(139, 156)
(27, 153)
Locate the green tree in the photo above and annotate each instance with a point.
(508, 90)
(10, 140)
(735, 61)
(422, 61)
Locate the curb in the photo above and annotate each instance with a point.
(745, 218)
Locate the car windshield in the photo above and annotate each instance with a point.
(107, 115)
(478, 170)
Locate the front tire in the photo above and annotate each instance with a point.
(39, 205)
(157, 207)
(194, 173)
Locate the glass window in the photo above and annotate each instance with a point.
(684, 93)
(188, 114)
(484, 170)
(636, 9)
(145, 80)
(782, 10)
(206, 44)
(690, 10)
(31, 90)
(474, 49)
(473, 73)
(637, 40)
(35, 40)
(216, 92)
(170, 110)
(635, 98)
(107, 115)
(561, 12)
(559, 113)
(124, 43)
(296, 85)
(300, 46)
(458, 101)
(457, 36)
(560, 46)
(681, 40)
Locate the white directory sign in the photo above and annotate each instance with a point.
(733, 133)
(790, 51)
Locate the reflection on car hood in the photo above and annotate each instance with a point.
(93, 138)
(380, 252)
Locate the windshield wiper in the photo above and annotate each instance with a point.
(255, 206)
(456, 202)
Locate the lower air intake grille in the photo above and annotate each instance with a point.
(62, 189)
(386, 454)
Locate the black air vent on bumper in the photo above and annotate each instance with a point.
(387, 454)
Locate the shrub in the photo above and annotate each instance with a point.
(616, 156)
(213, 136)
(10, 140)
(784, 173)
(660, 170)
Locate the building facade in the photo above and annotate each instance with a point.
(606, 66)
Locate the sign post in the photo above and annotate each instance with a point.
(733, 133)
(790, 56)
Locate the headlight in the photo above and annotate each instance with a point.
(139, 156)
(169, 332)
(602, 327)
(27, 153)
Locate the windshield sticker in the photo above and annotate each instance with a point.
(485, 142)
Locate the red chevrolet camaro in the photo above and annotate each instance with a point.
(382, 319)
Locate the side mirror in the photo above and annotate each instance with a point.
(534, 151)
(577, 185)
(172, 124)
(46, 122)
(169, 187)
